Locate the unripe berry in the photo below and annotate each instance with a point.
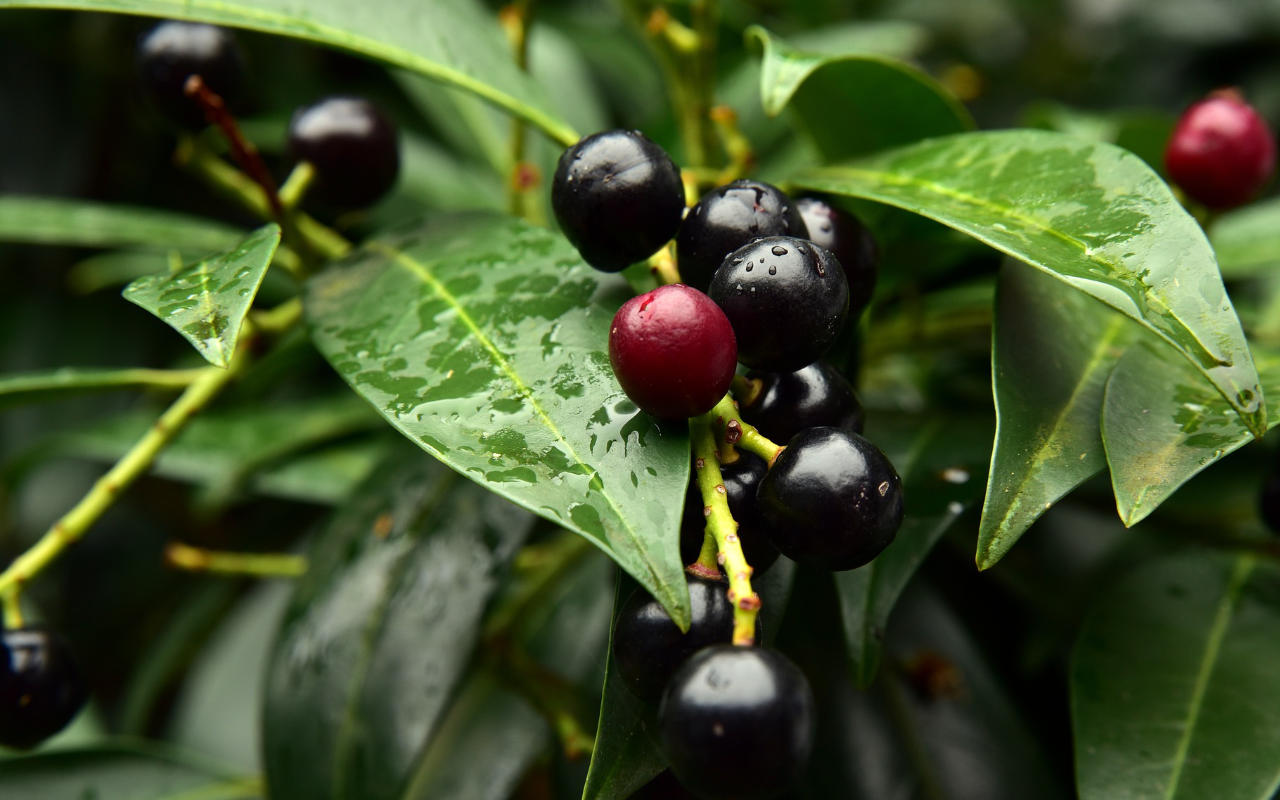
(618, 197)
(1221, 152)
(673, 351)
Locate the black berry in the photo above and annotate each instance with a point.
(673, 351)
(354, 149)
(832, 500)
(618, 197)
(648, 648)
(786, 298)
(173, 51)
(737, 722)
(850, 242)
(781, 404)
(727, 218)
(40, 686)
(741, 478)
(1221, 151)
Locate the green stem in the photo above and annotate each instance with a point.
(262, 565)
(296, 185)
(73, 525)
(721, 525)
(748, 438)
(547, 563)
(12, 611)
(71, 379)
(553, 697)
(515, 20)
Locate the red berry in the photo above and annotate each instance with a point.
(1221, 152)
(673, 351)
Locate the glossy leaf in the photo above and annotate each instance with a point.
(1052, 351)
(1162, 425)
(1247, 240)
(119, 771)
(1174, 666)
(84, 223)
(941, 464)
(455, 42)
(207, 301)
(379, 631)
(854, 102)
(483, 340)
(1091, 215)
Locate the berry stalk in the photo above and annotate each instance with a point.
(726, 414)
(721, 525)
(261, 565)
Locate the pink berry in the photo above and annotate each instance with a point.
(673, 351)
(1221, 152)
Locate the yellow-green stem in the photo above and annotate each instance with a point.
(12, 611)
(104, 492)
(295, 186)
(515, 21)
(262, 565)
(707, 565)
(721, 525)
(751, 439)
(663, 265)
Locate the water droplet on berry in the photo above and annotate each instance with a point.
(739, 261)
(779, 250)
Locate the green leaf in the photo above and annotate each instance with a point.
(452, 41)
(483, 339)
(1175, 665)
(1162, 425)
(83, 223)
(207, 301)
(123, 770)
(1247, 240)
(1052, 352)
(1090, 214)
(855, 102)
(939, 462)
(379, 631)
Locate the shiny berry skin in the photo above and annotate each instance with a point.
(786, 298)
(353, 147)
(727, 218)
(673, 351)
(786, 403)
(1221, 151)
(740, 480)
(172, 51)
(618, 197)
(648, 648)
(850, 242)
(40, 686)
(832, 499)
(737, 722)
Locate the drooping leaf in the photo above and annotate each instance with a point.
(1162, 424)
(1247, 240)
(483, 340)
(452, 41)
(1088, 213)
(1172, 668)
(379, 630)
(1052, 351)
(941, 463)
(125, 770)
(207, 301)
(84, 223)
(855, 102)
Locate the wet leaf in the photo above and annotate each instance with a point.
(1087, 213)
(380, 629)
(83, 223)
(1175, 664)
(854, 102)
(456, 42)
(1247, 240)
(207, 301)
(483, 340)
(1162, 424)
(941, 464)
(1052, 352)
(124, 770)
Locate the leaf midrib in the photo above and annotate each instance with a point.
(423, 272)
(280, 24)
(898, 179)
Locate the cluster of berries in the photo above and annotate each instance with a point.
(768, 284)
